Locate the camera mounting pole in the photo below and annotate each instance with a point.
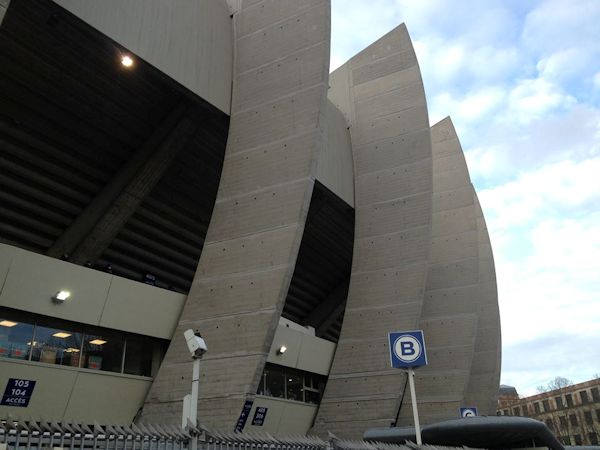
(189, 419)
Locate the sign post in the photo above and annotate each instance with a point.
(407, 351)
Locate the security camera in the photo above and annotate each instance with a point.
(195, 343)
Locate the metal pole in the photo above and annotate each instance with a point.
(194, 402)
(413, 397)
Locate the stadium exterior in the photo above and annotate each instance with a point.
(228, 182)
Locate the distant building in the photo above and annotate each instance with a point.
(572, 413)
(507, 395)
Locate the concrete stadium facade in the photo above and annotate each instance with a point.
(260, 199)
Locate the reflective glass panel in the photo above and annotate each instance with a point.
(56, 346)
(295, 387)
(103, 351)
(275, 382)
(15, 339)
(139, 353)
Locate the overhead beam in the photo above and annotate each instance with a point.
(130, 175)
(329, 309)
(139, 186)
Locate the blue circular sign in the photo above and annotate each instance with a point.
(407, 348)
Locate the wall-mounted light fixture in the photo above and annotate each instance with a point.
(61, 296)
(281, 350)
(127, 61)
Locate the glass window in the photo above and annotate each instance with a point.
(506, 412)
(56, 346)
(549, 424)
(275, 381)
(314, 387)
(261, 385)
(546, 404)
(139, 354)
(563, 421)
(569, 399)
(15, 338)
(588, 417)
(573, 420)
(593, 438)
(577, 439)
(595, 394)
(525, 410)
(584, 397)
(559, 402)
(517, 411)
(536, 407)
(103, 351)
(295, 387)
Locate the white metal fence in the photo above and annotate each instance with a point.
(34, 435)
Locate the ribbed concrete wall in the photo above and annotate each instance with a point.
(335, 168)
(190, 41)
(450, 309)
(279, 101)
(484, 381)
(381, 94)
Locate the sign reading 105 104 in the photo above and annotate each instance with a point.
(18, 392)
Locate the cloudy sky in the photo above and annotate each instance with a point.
(521, 81)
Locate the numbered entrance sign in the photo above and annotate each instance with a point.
(259, 416)
(407, 349)
(471, 411)
(18, 392)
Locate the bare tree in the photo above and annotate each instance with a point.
(556, 383)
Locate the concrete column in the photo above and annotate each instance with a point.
(484, 380)
(280, 77)
(381, 94)
(450, 309)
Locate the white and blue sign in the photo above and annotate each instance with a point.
(470, 411)
(18, 392)
(259, 416)
(239, 426)
(407, 349)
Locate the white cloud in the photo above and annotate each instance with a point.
(545, 231)
(533, 98)
(555, 188)
(489, 161)
(564, 65)
(556, 24)
(597, 80)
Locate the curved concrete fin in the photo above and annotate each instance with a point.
(450, 308)
(484, 382)
(380, 93)
(279, 102)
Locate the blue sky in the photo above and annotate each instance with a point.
(521, 81)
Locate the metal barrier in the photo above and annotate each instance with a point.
(31, 435)
(41, 435)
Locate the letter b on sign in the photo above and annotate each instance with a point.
(407, 349)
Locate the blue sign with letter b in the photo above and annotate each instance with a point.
(407, 349)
